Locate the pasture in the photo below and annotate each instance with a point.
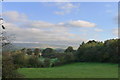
(74, 70)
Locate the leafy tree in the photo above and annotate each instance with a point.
(69, 49)
(29, 51)
(47, 52)
(34, 62)
(9, 69)
(20, 59)
(36, 51)
(47, 62)
(94, 51)
(23, 50)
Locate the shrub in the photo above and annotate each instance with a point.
(20, 59)
(9, 68)
(46, 62)
(34, 62)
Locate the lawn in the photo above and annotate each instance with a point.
(75, 70)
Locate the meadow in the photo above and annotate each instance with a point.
(73, 70)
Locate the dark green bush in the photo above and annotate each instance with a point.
(46, 62)
(34, 62)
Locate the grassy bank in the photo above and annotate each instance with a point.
(75, 70)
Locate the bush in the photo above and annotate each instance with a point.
(94, 51)
(54, 62)
(20, 59)
(46, 62)
(9, 69)
(48, 52)
(34, 62)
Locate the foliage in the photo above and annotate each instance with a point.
(9, 68)
(36, 51)
(47, 62)
(34, 62)
(94, 51)
(47, 52)
(69, 49)
(29, 51)
(54, 62)
(91, 51)
(20, 59)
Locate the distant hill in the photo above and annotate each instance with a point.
(59, 48)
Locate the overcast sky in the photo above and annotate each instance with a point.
(61, 23)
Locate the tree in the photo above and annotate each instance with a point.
(23, 50)
(20, 59)
(8, 67)
(69, 49)
(47, 52)
(47, 62)
(94, 51)
(34, 62)
(29, 51)
(36, 51)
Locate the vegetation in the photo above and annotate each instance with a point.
(94, 51)
(91, 51)
(37, 51)
(74, 70)
(9, 69)
(29, 51)
(69, 49)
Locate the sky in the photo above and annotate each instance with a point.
(61, 23)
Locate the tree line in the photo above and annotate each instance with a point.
(95, 51)
(91, 51)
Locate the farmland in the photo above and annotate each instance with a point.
(74, 70)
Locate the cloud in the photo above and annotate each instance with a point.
(98, 30)
(37, 31)
(108, 5)
(60, 13)
(116, 32)
(58, 36)
(66, 8)
(39, 24)
(109, 11)
(76, 23)
(14, 16)
(108, 8)
(81, 23)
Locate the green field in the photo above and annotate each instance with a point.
(75, 70)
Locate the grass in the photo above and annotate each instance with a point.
(75, 70)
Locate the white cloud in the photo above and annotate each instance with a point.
(39, 24)
(58, 36)
(98, 30)
(66, 8)
(14, 16)
(107, 5)
(109, 11)
(60, 13)
(108, 8)
(44, 32)
(81, 23)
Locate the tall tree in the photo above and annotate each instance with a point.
(69, 49)
(47, 52)
(36, 51)
(29, 51)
